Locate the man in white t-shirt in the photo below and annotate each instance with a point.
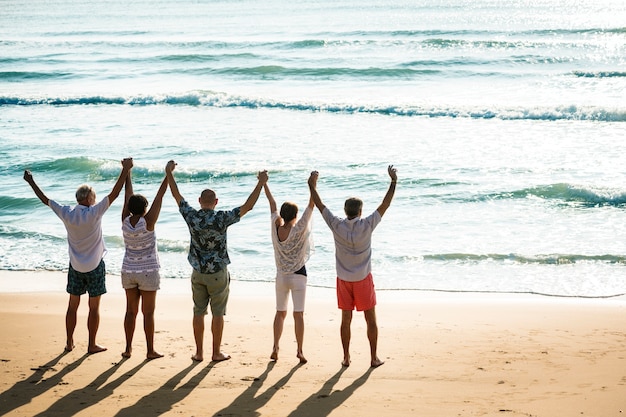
(353, 256)
(86, 272)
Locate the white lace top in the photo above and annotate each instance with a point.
(292, 253)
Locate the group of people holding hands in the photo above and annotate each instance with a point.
(208, 257)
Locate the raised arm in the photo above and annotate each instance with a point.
(270, 198)
(254, 196)
(128, 191)
(311, 202)
(155, 209)
(127, 164)
(28, 177)
(390, 192)
(169, 169)
(313, 190)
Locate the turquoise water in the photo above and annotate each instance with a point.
(505, 121)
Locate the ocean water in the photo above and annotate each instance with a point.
(505, 120)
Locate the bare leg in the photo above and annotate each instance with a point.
(372, 335)
(93, 322)
(198, 334)
(346, 320)
(70, 321)
(148, 304)
(279, 321)
(217, 328)
(132, 308)
(298, 319)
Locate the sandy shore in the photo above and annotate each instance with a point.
(446, 355)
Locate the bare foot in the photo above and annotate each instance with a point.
(197, 358)
(126, 354)
(96, 349)
(274, 355)
(377, 362)
(153, 355)
(220, 357)
(300, 356)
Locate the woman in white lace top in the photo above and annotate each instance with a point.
(293, 245)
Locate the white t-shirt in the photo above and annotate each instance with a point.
(353, 250)
(292, 253)
(84, 233)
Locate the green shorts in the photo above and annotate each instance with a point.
(93, 282)
(210, 289)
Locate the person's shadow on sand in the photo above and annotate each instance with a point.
(91, 394)
(323, 402)
(23, 392)
(163, 398)
(248, 402)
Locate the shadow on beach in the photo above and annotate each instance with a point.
(23, 392)
(91, 394)
(323, 402)
(167, 394)
(249, 402)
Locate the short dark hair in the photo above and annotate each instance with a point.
(137, 204)
(288, 211)
(353, 207)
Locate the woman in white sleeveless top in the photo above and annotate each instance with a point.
(292, 241)
(140, 267)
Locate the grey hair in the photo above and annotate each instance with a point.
(353, 207)
(83, 192)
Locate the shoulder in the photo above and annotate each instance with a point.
(233, 214)
(374, 218)
(58, 208)
(184, 207)
(102, 206)
(328, 215)
(103, 203)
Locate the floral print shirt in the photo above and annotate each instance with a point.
(208, 252)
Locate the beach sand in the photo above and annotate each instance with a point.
(445, 355)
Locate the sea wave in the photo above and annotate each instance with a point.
(600, 74)
(562, 193)
(18, 76)
(107, 169)
(565, 193)
(547, 259)
(10, 205)
(66, 164)
(224, 100)
(15, 234)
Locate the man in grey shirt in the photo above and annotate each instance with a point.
(353, 255)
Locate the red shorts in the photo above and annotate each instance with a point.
(359, 294)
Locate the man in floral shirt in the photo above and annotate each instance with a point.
(208, 255)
